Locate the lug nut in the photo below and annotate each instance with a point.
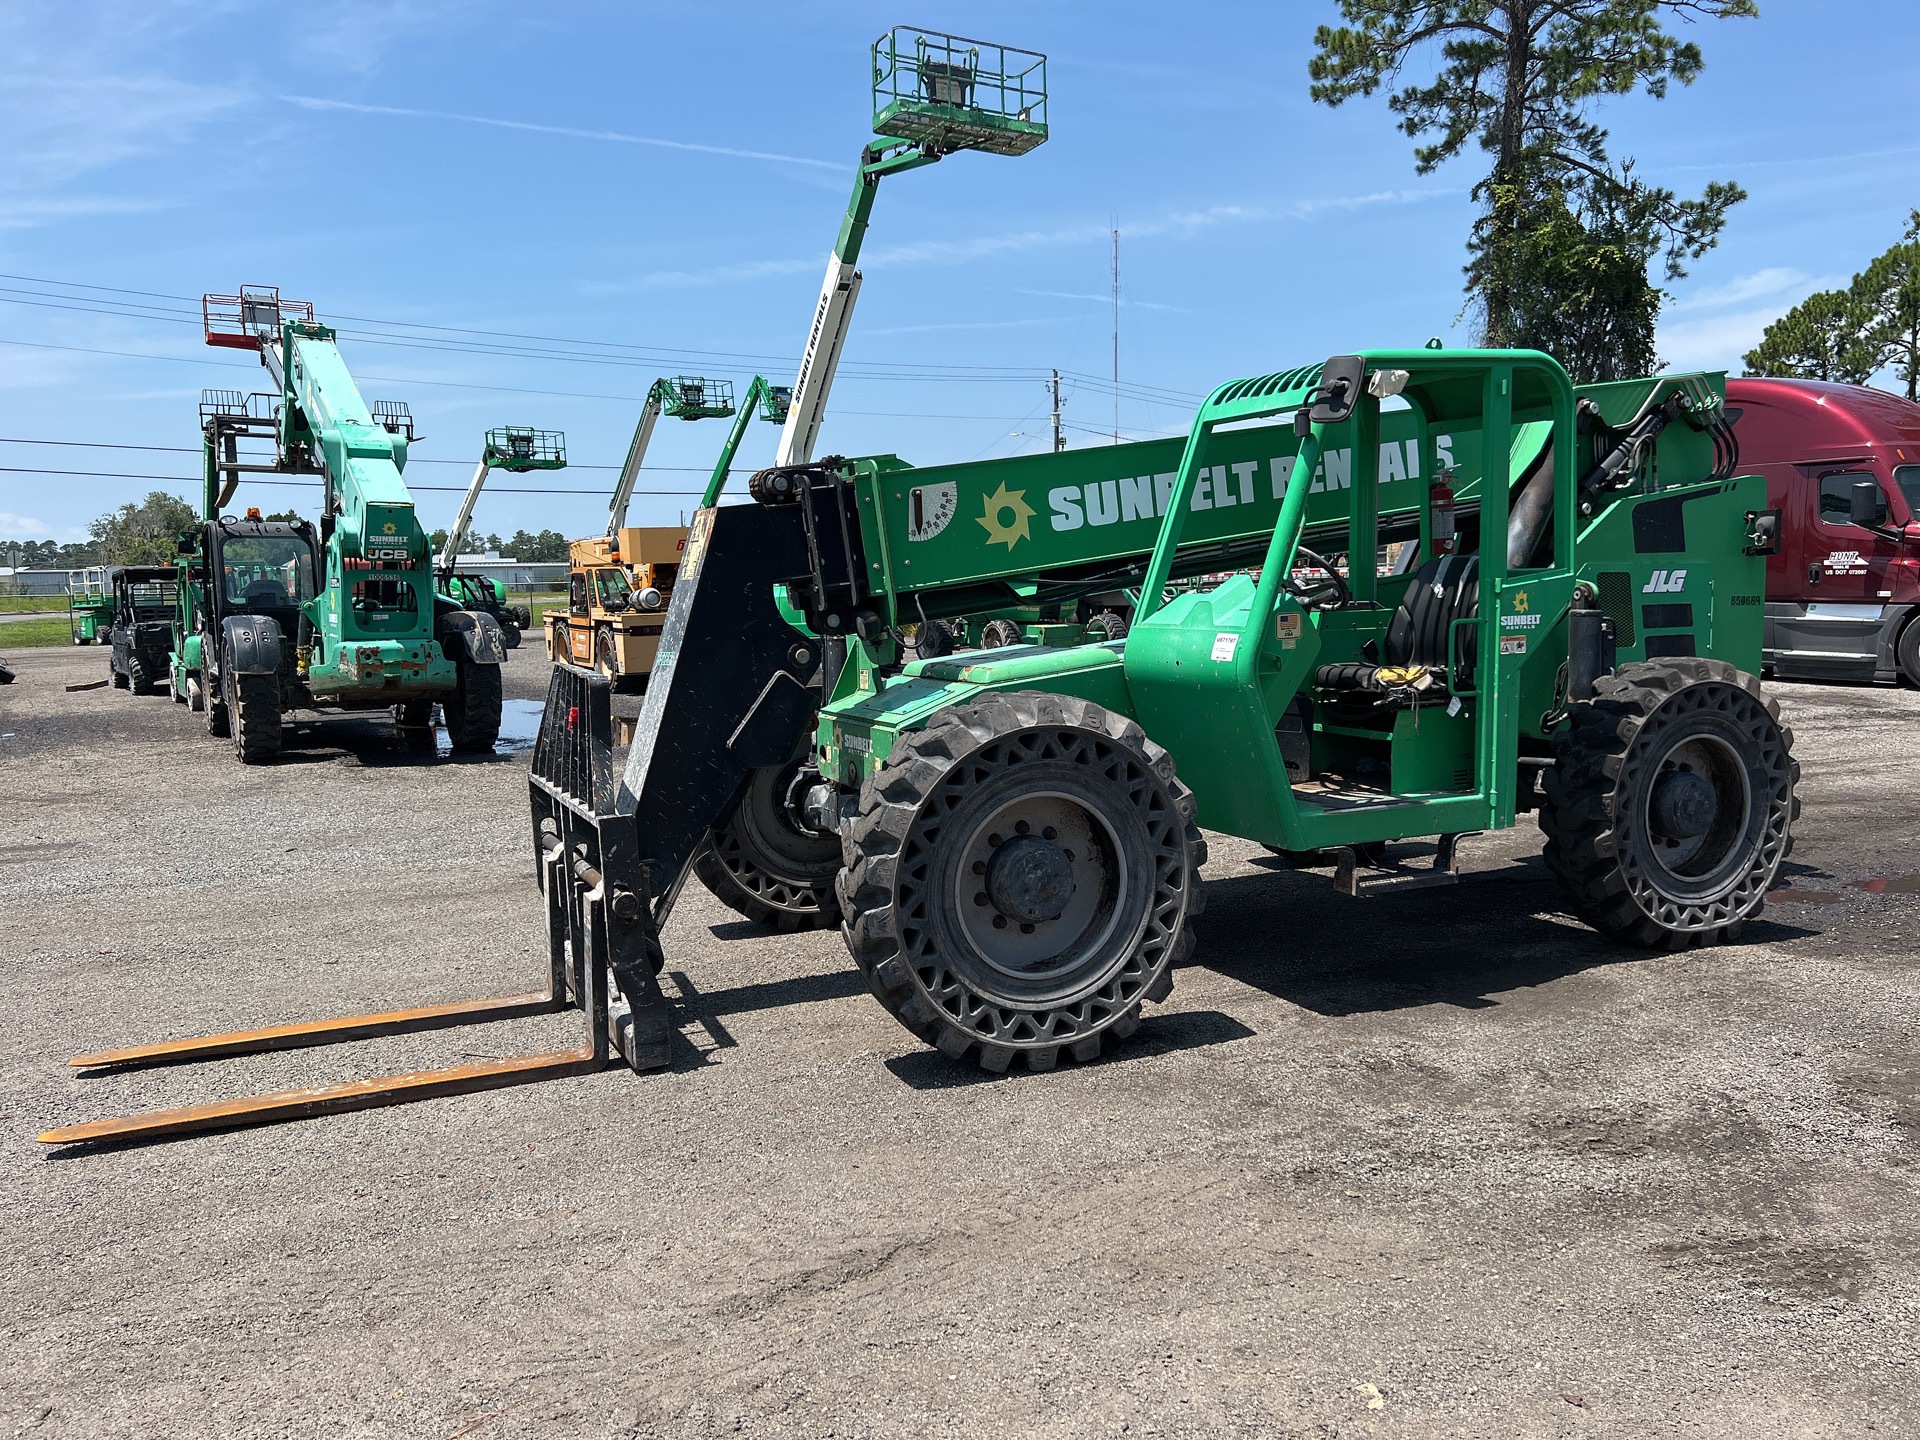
(1026, 929)
(979, 867)
(981, 898)
(1021, 827)
(995, 841)
(999, 922)
(1050, 833)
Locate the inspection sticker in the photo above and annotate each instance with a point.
(1225, 644)
(1286, 628)
(1513, 644)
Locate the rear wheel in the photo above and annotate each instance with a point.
(997, 634)
(1021, 877)
(762, 860)
(1106, 627)
(1908, 652)
(254, 703)
(472, 712)
(1671, 802)
(214, 698)
(562, 645)
(139, 680)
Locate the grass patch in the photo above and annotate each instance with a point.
(28, 604)
(30, 634)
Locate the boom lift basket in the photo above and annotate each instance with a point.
(251, 318)
(694, 397)
(520, 447)
(946, 93)
(775, 402)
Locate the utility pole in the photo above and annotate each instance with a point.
(1116, 334)
(1059, 439)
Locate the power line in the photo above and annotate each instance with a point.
(638, 356)
(262, 480)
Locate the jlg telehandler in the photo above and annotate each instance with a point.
(1019, 830)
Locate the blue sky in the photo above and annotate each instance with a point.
(655, 187)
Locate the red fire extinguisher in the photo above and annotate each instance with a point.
(1440, 503)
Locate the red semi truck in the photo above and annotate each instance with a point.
(1843, 468)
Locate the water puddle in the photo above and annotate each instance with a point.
(1872, 885)
(1888, 885)
(519, 727)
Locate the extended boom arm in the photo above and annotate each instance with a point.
(685, 397)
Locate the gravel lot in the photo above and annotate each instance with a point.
(1435, 1164)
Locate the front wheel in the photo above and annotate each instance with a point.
(254, 705)
(1020, 879)
(1670, 803)
(1907, 651)
(472, 712)
(114, 673)
(139, 679)
(762, 860)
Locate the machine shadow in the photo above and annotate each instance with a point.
(1159, 1034)
(1290, 934)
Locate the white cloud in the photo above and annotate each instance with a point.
(984, 247)
(1721, 323)
(1715, 342)
(23, 527)
(1761, 284)
(616, 137)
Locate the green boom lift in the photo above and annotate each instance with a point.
(286, 615)
(517, 449)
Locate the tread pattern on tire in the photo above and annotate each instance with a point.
(724, 867)
(1589, 779)
(138, 680)
(876, 840)
(255, 718)
(214, 702)
(472, 713)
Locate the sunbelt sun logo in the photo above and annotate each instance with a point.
(1665, 582)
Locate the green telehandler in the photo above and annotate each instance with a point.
(283, 615)
(1576, 636)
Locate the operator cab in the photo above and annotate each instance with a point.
(264, 567)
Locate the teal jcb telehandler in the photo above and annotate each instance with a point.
(345, 615)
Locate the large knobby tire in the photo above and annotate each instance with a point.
(606, 657)
(998, 634)
(1670, 803)
(1105, 628)
(254, 703)
(138, 679)
(761, 859)
(120, 679)
(1020, 878)
(472, 712)
(1907, 652)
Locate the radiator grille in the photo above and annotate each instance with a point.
(1616, 601)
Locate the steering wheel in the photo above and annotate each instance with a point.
(1333, 594)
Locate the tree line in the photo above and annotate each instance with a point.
(1853, 334)
(146, 534)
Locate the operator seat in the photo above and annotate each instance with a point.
(1413, 668)
(269, 594)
